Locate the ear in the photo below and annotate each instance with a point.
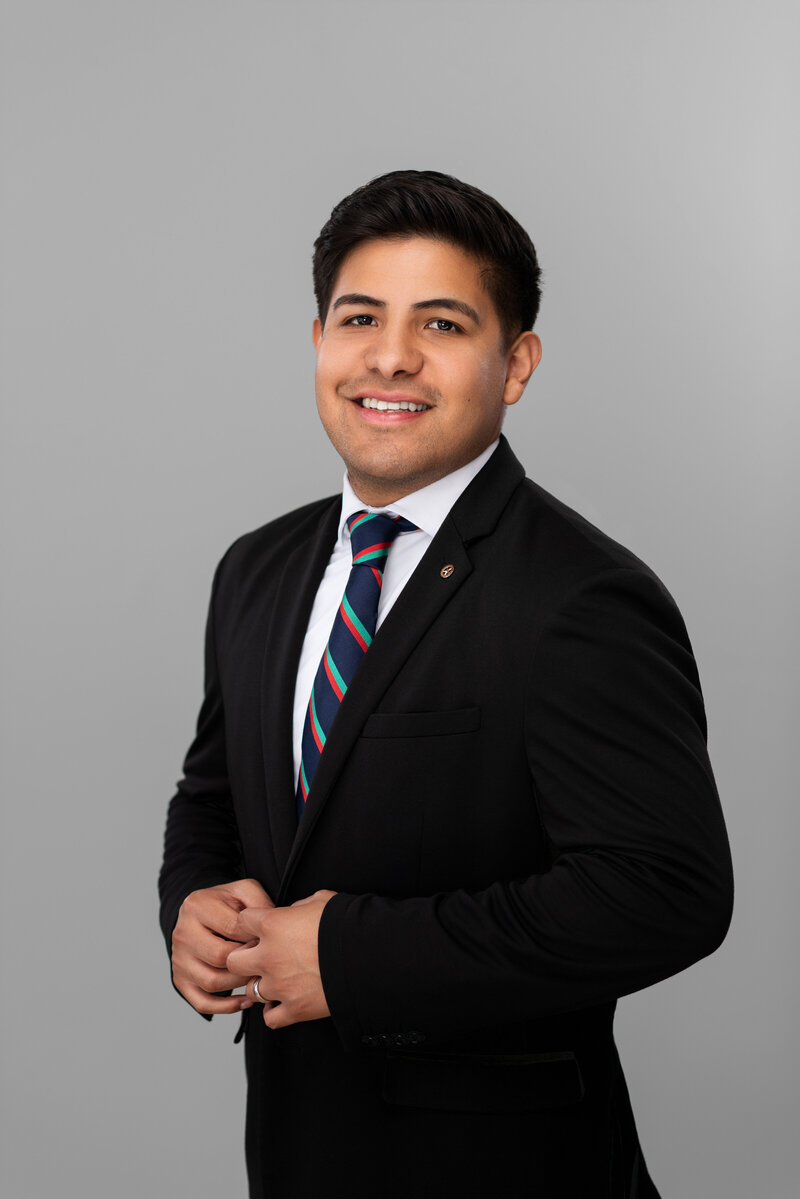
(316, 333)
(523, 359)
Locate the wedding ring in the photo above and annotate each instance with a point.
(257, 993)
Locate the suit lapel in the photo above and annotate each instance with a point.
(420, 602)
(301, 577)
(424, 597)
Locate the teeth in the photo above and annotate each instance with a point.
(393, 405)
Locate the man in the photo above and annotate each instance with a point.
(449, 796)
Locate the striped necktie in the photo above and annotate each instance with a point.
(371, 537)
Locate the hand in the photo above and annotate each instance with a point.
(283, 958)
(206, 928)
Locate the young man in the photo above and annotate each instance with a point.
(449, 796)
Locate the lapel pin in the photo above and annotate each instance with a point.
(446, 571)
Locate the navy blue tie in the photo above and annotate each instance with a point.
(371, 537)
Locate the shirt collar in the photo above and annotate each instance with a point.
(425, 508)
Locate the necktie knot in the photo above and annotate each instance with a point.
(371, 537)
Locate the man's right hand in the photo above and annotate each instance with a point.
(204, 935)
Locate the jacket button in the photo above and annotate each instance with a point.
(369, 1040)
(415, 1038)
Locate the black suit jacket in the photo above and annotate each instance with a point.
(516, 808)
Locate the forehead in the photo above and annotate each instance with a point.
(411, 268)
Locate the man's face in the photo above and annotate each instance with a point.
(410, 323)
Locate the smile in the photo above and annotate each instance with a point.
(392, 405)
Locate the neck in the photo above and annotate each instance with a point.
(377, 495)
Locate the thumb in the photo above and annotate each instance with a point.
(249, 924)
(248, 893)
(318, 895)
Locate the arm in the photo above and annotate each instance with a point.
(640, 883)
(201, 842)
(200, 885)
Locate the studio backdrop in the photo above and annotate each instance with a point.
(166, 168)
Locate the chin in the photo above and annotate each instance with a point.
(383, 479)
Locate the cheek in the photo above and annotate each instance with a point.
(328, 354)
(335, 370)
(482, 390)
(493, 377)
(322, 370)
(326, 377)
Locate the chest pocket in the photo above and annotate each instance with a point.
(422, 724)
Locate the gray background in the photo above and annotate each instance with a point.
(166, 166)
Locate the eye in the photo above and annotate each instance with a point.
(441, 325)
(360, 320)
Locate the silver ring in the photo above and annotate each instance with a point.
(257, 993)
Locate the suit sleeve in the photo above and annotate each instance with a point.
(640, 882)
(201, 842)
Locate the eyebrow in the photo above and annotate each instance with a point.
(447, 302)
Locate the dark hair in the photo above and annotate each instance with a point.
(430, 204)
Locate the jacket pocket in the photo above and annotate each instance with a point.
(422, 724)
(482, 1082)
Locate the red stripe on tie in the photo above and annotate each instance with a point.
(331, 679)
(370, 549)
(302, 788)
(378, 576)
(314, 732)
(353, 630)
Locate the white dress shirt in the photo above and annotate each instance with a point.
(426, 509)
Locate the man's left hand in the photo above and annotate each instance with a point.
(281, 955)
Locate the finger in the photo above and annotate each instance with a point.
(318, 895)
(195, 949)
(210, 1005)
(246, 1001)
(206, 978)
(205, 946)
(250, 923)
(216, 951)
(210, 910)
(250, 893)
(256, 996)
(250, 992)
(222, 920)
(276, 1016)
(248, 963)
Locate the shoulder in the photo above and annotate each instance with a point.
(588, 587)
(542, 558)
(528, 538)
(288, 529)
(270, 544)
(568, 548)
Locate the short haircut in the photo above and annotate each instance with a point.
(430, 204)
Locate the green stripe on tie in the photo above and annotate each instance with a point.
(355, 621)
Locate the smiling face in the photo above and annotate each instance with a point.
(412, 374)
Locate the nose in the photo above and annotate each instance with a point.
(393, 351)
